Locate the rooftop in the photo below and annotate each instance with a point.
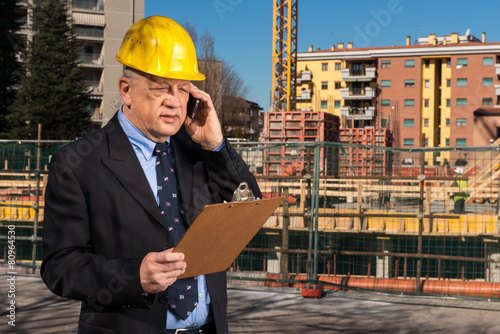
(432, 44)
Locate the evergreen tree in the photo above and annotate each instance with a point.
(10, 45)
(52, 91)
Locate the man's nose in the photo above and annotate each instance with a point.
(172, 100)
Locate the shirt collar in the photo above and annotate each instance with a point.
(136, 137)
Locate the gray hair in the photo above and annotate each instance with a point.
(130, 73)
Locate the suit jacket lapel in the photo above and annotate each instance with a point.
(124, 164)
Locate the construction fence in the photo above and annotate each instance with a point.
(419, 220)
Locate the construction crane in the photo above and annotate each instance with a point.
(284, 54)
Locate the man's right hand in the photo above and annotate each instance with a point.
(160, 270)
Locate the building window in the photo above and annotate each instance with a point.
(426, 103)
(462, 61)
(461, 102)
(338, 66)
(426, 122)
(448, 63)
(487, 61)
(324, 85)
(448, 102)
(462, 82)
(410, 63)
(409, 83)
(409, 122)
(408, 142)
(385, 103)
(386, 64)
(385, 83)
(324, 66)
(324, 104)
(427, 63)
(487, 81)
(426, 142)
(338, 84)
(461, 121)
(409, 102)
(336, 104)
(447, 122)
(487, 101)
(426, 83)
(461, 142)
(448, 83)
(447, 141)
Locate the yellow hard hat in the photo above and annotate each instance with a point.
(160, 46)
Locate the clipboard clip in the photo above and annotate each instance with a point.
(243, 193)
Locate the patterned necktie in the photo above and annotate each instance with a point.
(183, 294)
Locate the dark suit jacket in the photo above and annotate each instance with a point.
(101, 219)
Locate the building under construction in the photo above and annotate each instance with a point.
(394, 125)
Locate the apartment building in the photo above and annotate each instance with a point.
(426, 92)
(99, 26)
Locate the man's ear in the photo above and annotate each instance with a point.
(124, 86)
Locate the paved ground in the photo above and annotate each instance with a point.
(276, 310)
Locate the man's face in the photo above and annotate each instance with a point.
(157, 106)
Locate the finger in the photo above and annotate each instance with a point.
(168, 255)
(195, 91)
(201, 95)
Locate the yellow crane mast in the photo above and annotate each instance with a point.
(284, 54)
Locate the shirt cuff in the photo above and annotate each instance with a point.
(221, 146)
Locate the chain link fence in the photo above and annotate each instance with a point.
(355, 216)
(22, 186)
(368, 217)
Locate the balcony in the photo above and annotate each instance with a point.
(93, 33)
(306, 95)
(497, 66)
(95, 114)
(358, 113)
(94, 86)
(497, 89)
(24, 29)
(89, 4)
(304, 76)
(91, 59)
(367, 93)
(367, 75)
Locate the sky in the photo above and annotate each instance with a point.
(243, 29)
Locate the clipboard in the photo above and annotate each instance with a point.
(220, 232)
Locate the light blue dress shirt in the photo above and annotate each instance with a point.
(143, 148)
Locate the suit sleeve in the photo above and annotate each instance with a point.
(226, 169)
(71, 268)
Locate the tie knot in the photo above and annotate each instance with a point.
(162, 147)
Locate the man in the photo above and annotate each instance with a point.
(460, 197)
(106, 241)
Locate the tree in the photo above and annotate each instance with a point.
(222, 81)
(10, 45)
(52, 90)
